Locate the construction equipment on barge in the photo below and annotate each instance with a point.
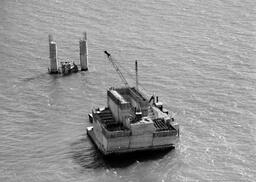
(67, 67)
(131, 122)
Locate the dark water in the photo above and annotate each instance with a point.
(198, 56)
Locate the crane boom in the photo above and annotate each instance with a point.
(116, 68)
(113, 62)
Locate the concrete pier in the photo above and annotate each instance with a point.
(137, 77)
(83, 53)
(53, 56)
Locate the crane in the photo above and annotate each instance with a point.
(112, 60)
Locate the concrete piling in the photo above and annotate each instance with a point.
(53, 56)
(137, 77)
(83, 53)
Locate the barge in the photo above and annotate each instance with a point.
(131, 123)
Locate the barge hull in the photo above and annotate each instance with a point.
(92, 136)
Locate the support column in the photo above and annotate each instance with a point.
(137, 77)
(53, 56)
(83, 53)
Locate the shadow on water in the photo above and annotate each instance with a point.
(54, 76)
(36, 77)
(125, 160)
(49, 77)
(45, 76)
(85, 153)
(42, 76)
